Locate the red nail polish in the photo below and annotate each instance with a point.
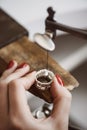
(11, 63)
(59, 80)
(22, 65)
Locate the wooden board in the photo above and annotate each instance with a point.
(25, 50)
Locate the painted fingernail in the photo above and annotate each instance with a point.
(22, 65)
(60, 81)
(11, 63)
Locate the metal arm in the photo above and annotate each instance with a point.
(46, 40)
(52, 26)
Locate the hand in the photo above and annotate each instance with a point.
(14, 110)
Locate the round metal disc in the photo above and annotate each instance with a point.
(44, 41)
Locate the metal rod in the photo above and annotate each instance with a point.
(74, 31)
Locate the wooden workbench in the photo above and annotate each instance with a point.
(24, 50)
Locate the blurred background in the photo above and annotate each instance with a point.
(31, 13)
(70, 52)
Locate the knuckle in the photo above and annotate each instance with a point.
(13, 85)
(68, 96)
(14, 82)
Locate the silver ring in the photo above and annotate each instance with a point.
(44, 79)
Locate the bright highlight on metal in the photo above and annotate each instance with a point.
(44, 41)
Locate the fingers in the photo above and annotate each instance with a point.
(11, 68)
(17, 98)
(13, 72)
(21, 71)
(62, 101)
(13, 84)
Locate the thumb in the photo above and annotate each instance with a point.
(61, 100)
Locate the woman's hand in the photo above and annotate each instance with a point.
(14, 110)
